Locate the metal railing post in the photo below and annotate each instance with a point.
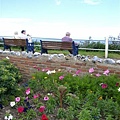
(106, 47)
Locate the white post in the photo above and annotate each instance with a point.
(106, 47)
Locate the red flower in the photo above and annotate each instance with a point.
(104, 86)
(20, 109)
(117, 84)
(44, 117)
(42, 108)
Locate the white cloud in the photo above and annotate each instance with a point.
(35, 28)
(92, 2)
(58, 2)
(54, 29)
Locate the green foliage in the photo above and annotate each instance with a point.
(85, 99)
(73, 97)
(29, 115)
(9, 77)
(61, 113)
(85, 115)
(95, 45)
(98, 45)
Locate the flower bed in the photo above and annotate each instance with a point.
(54, 95)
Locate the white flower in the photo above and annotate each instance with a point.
(12, 104)
(101, 84)
(48, 72)
(53, 71)
(5, 117)
(7, 58)
(119, 89)
(49, 94)
(10, 117)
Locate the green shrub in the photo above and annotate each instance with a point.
(9, 77)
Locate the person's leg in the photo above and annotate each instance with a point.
(70, 51)
(77, 49)
(7, 47)
(22, 48)
(44, 51)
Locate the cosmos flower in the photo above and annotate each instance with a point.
(35, 96)
(119, 89)
(20, 109)
(10, 117)
(78, 72)
(17, 99)
(42, 108)
(91, 70)
(106, 72)
(104, 86)
(44, 117)
(28, 91)
(46, 98)
(98, 75)
(61, 77)
(12, 103)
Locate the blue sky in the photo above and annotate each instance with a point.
(53, 18)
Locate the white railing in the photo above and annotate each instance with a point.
(106, 42)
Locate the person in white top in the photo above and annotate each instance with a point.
(16, 36)
(23, 34)
(30, 43)
(29, 38)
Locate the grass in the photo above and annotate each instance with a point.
(100, 54)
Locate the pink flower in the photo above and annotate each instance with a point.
(17, 99)
(20, 109)
(61, 77)
(35, 96)
(26, 98)
(78, 72)
(28, 91)
(42, 108)
(38, 69)
(91, 70)
(104, 86)
(34, 66)
(106, 72)
(98, 75)
(45, 70)
(46, 98)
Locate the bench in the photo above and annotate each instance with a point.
(23, 43)
(57, 45)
